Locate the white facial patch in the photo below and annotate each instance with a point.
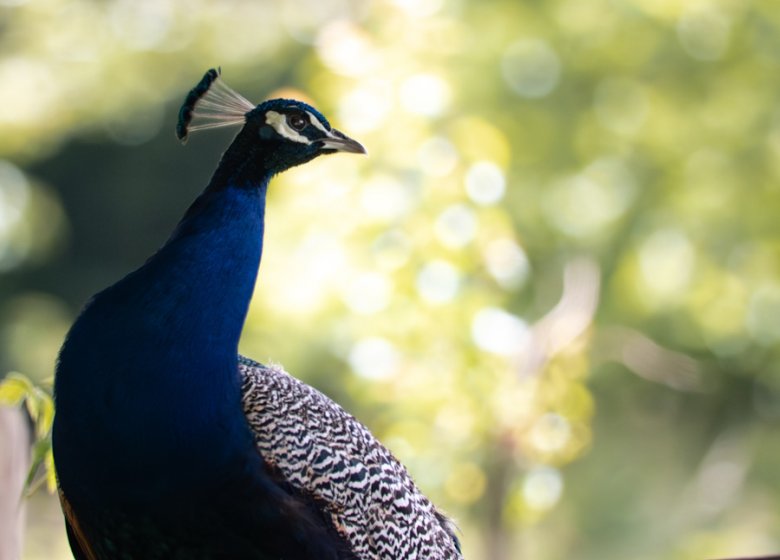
(317, 124)
(279, 122)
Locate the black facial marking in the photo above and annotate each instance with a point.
(266, 131)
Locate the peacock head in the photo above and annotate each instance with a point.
(283, 132)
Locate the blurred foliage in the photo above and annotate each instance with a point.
(553, 289)
(17, 389)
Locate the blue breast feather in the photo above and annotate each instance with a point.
(150, 441)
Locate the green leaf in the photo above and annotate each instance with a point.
(46, 414)
(51, 473)
(14, 389)
(41, 449)
(32, 406)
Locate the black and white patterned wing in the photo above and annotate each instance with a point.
(324, 452)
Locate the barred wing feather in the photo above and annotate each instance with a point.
(325, 453)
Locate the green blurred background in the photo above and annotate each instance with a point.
(552, 289)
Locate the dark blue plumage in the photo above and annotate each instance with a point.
(148, 394)
(154, 451)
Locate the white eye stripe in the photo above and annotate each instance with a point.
(279, 122)
(316, 122)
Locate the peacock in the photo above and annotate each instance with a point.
(170, 445)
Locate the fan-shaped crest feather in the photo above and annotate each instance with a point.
(211, 104)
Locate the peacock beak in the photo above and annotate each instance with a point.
(340, 142)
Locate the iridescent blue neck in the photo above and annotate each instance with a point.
(157, 353)
(204, 276)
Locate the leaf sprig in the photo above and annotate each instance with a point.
(16, 389)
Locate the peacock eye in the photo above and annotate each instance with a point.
(297, 121)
